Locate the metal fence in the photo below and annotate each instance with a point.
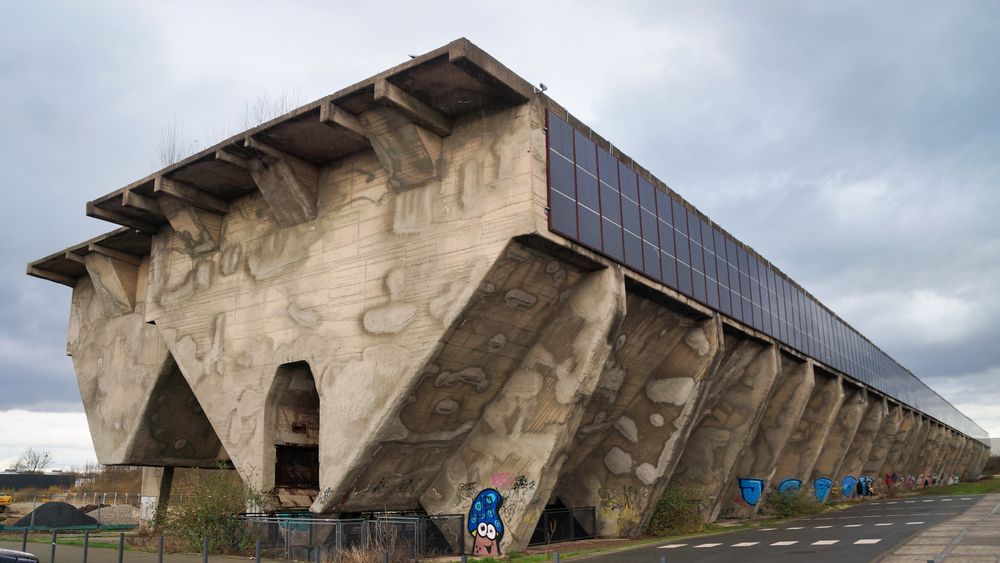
(564, 524)
(306, 538)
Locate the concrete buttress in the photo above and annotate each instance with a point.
(640, 415)
(864, 439)
(731, 411)
(789, 397)
(806, 443)
(841, 434)
(531, 424)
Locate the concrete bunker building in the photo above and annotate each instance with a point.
(436, 283)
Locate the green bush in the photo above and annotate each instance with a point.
(677, 512)
(207, 512)
(792, 504)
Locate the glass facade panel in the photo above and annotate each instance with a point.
(599, 201)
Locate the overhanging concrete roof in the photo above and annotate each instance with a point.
(433, 89)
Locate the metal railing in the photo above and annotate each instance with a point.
(303, 537)
(564, 524)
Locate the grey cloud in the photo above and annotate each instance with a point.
(853, 144)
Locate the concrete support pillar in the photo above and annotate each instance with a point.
(155, 491)
(839, 439)
(883, 443)
(980, 462)
(806, 443)
(789, 396)
(964, 462)
(950, 467)
(935, 447)
(904, 435)
(911, 460)
(640, 416)
(864, 439)
(729, 417)
(529, 427)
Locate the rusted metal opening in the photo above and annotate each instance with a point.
(295, 416)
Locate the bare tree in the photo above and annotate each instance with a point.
(33, 461)
(173, 144)
(265, 107)
(176, 144)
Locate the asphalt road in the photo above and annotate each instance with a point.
(860, 533)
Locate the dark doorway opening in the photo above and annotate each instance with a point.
(296, 467)
(295, 416)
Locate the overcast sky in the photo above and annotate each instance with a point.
(855, 145)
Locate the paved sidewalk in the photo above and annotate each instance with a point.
(973, 536)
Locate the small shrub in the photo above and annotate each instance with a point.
(792, 504)
(207, 512)
(677, 512)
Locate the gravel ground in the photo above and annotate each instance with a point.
(118, 514)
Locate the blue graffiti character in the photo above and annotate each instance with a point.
(485, 525)
(867, 486)
(847, 485)
(821, 488)
(751, 489)
(789, 486)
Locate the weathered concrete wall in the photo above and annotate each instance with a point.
(364, 294)
(638, 418)
(139, 409)
(864, 439)
(732, 409)
(805, 445)
(904, 434)
(841, 435)
(785, 406)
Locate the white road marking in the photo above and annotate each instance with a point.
(822, 518)
(867, 542)
(913, 523)
(931, 500)
(946, 500)
(893, 502)
(708, 545)
(822, 527)
(745, 543)
(768, 529)
(852, 525)
(672, 545)
(825, 542)
(795, 528)
(966, 498)
(909, 501)
(884, 524)
(784, 543)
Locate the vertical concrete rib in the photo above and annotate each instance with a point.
(640, 416)
(935, 449)
(864, 439)
(911, 458)
(806, 444)
(728, 418)
(905, 434)
(883, 443)
(839, 439)
(787, 402)
(529, 427)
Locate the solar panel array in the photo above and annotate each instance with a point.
(602, 203)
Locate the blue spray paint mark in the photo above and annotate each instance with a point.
(847, 486)
(789, 486)
(751, 489)
(821, 488)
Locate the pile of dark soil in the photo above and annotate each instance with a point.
(57, 515)
(91, 507)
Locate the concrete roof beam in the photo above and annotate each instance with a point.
(289, 184)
